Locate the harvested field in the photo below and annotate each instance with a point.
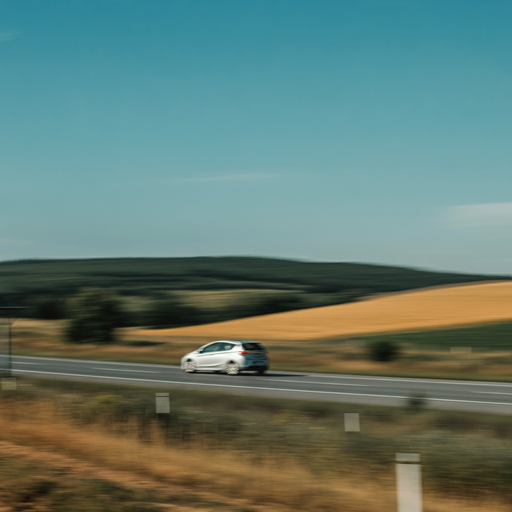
(419, 310)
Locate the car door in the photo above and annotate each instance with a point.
(206, 357)
(221, 357)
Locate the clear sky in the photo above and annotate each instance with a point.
(335, 130)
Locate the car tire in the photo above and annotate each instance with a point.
(232, 368)
(190, 367)
(261, 371)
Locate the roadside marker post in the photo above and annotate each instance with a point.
(352, 422)
(8, 317)
(163, 405)
(408, 482)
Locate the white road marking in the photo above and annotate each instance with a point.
(491, 393)
(317, 375)
(88, 361)
(264, 389)
(322, 383)
(405, 379)
(118, 370)
(19, 362)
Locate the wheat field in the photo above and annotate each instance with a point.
(409, 311)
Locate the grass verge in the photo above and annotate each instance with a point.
(238, 453)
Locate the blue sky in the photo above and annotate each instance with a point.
(348, 130)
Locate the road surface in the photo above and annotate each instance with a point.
(439, 394)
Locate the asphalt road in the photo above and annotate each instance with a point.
(439, 394)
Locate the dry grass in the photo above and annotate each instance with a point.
(418, 310)
(214, 475)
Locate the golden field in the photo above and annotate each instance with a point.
(409, 311)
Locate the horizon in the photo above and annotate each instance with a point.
(297, 260)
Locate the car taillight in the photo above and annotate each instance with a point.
(244, 352)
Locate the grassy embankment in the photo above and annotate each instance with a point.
(341, 345)
(85, 447)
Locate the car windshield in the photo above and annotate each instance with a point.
(253, 346)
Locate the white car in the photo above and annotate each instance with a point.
(229, 356)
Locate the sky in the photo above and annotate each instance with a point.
(376, 131)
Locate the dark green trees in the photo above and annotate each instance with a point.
(93, 315)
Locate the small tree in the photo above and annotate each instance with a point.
(46, 308)
(93, 316)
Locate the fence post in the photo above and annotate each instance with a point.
(162, 403)
(408, 482)
(352, 422)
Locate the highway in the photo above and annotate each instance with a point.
(440, 394)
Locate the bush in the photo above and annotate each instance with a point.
(46, 308)
(384, 351)
(93, 316)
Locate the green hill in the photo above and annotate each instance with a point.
(286, 284)
(134, 276)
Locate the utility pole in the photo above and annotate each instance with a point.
(9, 313)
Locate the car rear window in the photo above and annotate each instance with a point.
(253, 346)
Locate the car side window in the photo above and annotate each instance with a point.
(214, 347)
(226, 346)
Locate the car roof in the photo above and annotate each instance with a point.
(239, 342)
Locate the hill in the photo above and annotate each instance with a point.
(140, 276)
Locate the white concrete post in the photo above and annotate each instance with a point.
(352, 422)
(162, 403)
(408, 482)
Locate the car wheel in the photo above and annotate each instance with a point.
(232, 369)
(190, 367)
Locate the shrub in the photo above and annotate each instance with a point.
(46, 308)
(384, 351)
(93, 316)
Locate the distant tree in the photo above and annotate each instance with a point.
(277, 303)
(168, 311)
(46, 308)
(93, 316)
